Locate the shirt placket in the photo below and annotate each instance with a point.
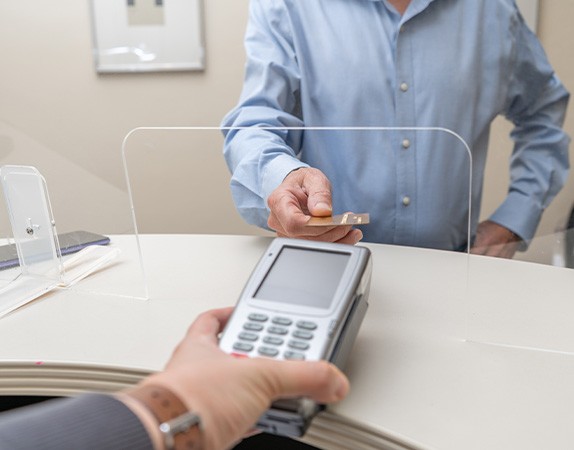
(406, 201)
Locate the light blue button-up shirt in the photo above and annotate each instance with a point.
(453, 64)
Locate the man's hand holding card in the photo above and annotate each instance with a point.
(300, 207)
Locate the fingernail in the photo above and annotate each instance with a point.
(323, 205)
(360, 236)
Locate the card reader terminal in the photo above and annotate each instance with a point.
(305, 300)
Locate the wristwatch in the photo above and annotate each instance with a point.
(180, 428)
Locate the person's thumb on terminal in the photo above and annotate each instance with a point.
(319, 380)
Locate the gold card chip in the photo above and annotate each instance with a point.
(339, 219)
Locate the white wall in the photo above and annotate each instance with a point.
(58, 114)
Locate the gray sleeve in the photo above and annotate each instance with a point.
(91, 421)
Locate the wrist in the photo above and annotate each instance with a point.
(296, 172)
(174, 426)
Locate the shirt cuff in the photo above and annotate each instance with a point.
(521, 215)
(86, 421)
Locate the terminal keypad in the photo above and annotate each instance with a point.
(252, 326)
(272, 336)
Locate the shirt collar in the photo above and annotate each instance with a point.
(415, 8)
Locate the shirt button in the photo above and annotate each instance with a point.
(406, 200)
(406, 143)
(404, 87)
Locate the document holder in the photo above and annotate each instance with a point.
(41, 265)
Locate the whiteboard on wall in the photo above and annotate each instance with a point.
(529, 9)
(147, 35)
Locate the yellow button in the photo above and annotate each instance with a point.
(406, 201)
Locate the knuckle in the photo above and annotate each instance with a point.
(272, 200)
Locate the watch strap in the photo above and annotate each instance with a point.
(180, 428)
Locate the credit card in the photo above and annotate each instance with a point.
(339, 219)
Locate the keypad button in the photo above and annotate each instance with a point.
(273, 340)
(293, 355)
(298, 345)
(258, 317)
(242, 347)
(285, 321)
(306, 325)
(252, 326)
(303, 334)
(277, 330)
(268, 351)
(247, 336)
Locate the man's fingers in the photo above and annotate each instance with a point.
(287, 213)
(344, 234)
(304, 193)
(318, 189)
(493, 239)
(295, 225)
(310, 187)
(478, 250)
(287, 220)
(352, 237)
(499, 251)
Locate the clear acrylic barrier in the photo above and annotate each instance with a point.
(179, 181)
(175, 173)
(527, 302)
(33, 260)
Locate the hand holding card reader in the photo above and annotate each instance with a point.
(304, 300)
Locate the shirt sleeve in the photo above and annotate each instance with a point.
(263, 133)
(91, 421)
(539, 164)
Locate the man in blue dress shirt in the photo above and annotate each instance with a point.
(409, 65)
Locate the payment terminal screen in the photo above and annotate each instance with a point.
(304, 277)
